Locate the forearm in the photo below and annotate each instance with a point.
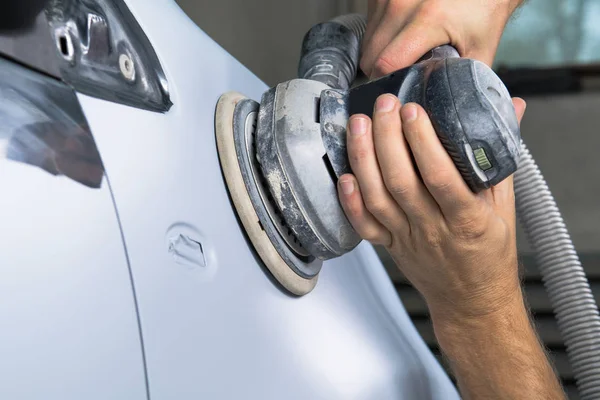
(497, 355)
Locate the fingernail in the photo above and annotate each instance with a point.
(409, 113)
(385, 103)
(347, 186)
(358, 126)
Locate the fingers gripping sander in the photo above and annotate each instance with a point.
(282, 158)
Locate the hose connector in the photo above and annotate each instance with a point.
(331, 50)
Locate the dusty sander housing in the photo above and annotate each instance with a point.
(282, 182)
(280, 178)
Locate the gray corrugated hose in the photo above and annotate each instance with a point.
(357, 23)
(564, 278)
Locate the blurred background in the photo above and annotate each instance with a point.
(549, 55)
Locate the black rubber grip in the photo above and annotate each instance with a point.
(469, 107)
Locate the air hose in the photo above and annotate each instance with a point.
(330, 54)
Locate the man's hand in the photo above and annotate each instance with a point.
(456, 247)
(399, 32)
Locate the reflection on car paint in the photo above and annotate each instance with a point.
(42, 124)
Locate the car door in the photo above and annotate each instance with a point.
(68, 320)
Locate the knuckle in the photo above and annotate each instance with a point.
(470, 230)
(397, 186)
(470, 224)
(432, 239)
(376, 205)
(440, 181)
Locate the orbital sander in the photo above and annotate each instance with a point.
(282, 157)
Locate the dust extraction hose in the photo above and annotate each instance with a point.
(331, 50)
(330, 54)
(564, 278)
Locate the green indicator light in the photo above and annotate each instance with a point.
(482, 159)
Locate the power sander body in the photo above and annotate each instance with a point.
(296, 149)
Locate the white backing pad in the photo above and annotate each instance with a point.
(241, 200)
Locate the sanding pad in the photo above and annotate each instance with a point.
(296, 273)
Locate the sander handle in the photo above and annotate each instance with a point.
(469, 107)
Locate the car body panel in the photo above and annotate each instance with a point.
(67, 307)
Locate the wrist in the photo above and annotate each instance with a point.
(476, 298)
(457, 330)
